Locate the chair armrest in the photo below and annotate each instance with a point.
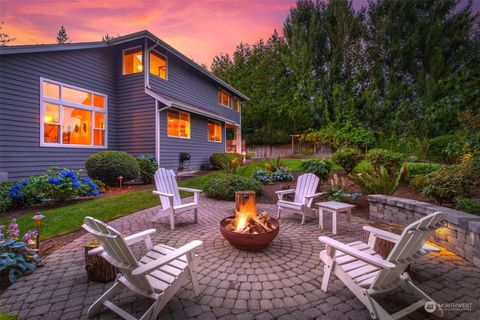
(137, 237)
(378, 262)
(285, 191)
(149, 267)
(163, 194)
(315, 195)
(383, 234)
(131, 239)
(190, 190)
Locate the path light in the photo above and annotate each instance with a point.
(120, 179)
(38, 221)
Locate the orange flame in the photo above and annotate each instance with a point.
(244, 212)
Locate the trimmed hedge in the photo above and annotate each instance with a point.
(107, 166)
(224, 186)
(148, 165)
(347, 158)
(391, 160)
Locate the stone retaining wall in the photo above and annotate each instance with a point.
(460, 235)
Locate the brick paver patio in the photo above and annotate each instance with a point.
(282, 282)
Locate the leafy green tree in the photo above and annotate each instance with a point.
(62, 36)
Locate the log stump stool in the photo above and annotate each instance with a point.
(98, 269)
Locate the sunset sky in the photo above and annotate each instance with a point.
(199, 29)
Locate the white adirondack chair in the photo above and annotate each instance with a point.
(168, 191)
(304, 194)
(158, 275)
(367, 275)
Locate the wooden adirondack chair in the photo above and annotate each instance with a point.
(158, 275)
(304, 194)
(168, 190)
(367, 275)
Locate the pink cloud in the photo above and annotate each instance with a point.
(200, 29)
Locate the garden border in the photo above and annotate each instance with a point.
(461, 233)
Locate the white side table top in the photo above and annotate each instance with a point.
(335, 205)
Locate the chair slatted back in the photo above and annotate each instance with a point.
(306, 185)
(407, 249)
(119, 254)
(165, 182)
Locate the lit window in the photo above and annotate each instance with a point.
(214, 131)
(76, 126)
(77, 119)
(224, 98)
(76, 96)
(236, 104)
(158, 65)
(178, 124)
(132, 61)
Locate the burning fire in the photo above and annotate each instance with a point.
(246, 210)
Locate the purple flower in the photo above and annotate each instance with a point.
(25, 182)
(76, 184)
(96, 192)
(13, 230)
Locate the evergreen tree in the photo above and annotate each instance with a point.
(62, 36)
(5, 39)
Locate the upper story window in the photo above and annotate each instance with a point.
(214, 131)
(132, 60)
(224, 98)
(178, 124)
(71, 116)
(158, 65)
(236, 104)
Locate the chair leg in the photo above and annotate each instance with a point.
(408, 286)
(328, 268)
(303, 218)
(172, 220)
(278, 213)
(97, 306)
(320, 218)
(193, 273)
(195, 215)
(159, 304)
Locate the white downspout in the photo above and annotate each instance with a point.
(147, 62)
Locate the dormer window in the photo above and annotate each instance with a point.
(224, 98)
(132, 60)
(158, 65)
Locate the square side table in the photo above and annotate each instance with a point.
(335, 208)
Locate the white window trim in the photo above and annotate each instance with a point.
(221, 131)
(189, 123)
(220, 103)
(123, 61)
(166, 64)
(61, 103)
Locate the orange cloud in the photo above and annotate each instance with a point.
(200, 29)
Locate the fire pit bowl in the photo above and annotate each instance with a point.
(249, 242)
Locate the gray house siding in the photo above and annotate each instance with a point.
(189, 85)
(20, 152)
(198, 145)
(136, 110)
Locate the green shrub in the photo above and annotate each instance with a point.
(223, 160)
(261, 176)
(350, 135)
(347, 158)
(391, 160)
(224, 186)
(282, 174)
(415, 169)
(321, 168)
(250, 155)
(306, 151)
(445, 149)
(6, 201)
(446, 183)
(107, 166)
(273, 165)
(378, 182)
(148, 165)
(469, 205)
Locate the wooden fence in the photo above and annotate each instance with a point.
(284, 151)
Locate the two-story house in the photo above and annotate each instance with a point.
(61, 103)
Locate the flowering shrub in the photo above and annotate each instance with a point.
(16, 256)
(148, 165)
(59, 185)
(338, 190)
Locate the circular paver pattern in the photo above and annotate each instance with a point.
(280, 282)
